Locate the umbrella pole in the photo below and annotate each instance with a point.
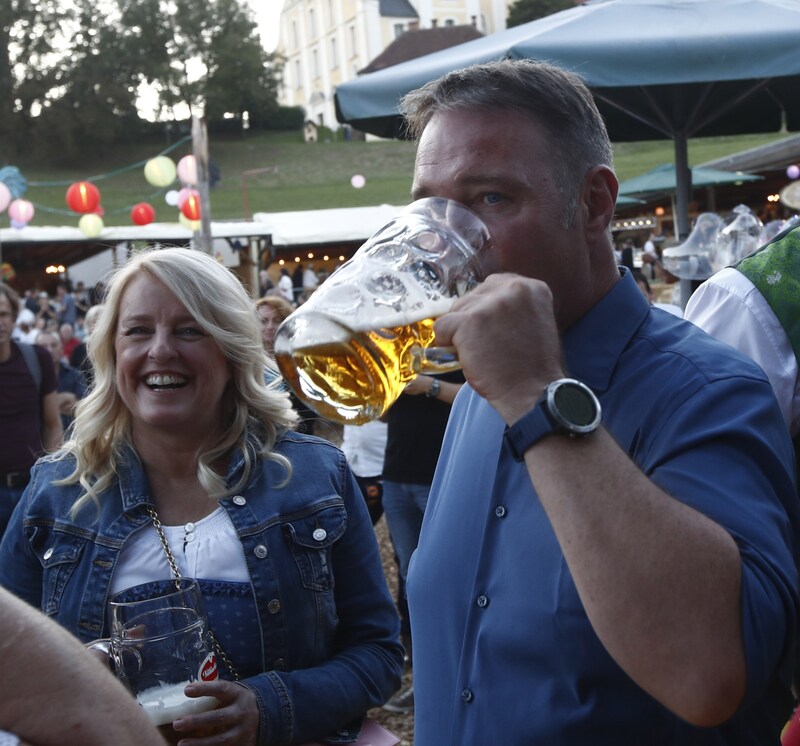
(683, 187)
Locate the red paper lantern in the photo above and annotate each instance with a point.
(143, 213)
(83, 196)
(191, 206)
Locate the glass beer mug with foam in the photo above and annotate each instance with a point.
(160, 641)
(368, 329)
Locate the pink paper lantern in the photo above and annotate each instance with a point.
(793, 171)
(21, 211)
(187, 170)
(183, 195)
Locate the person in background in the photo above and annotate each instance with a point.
(589, 570)
(181, 461)
(364, 447)
(647, 292)
(272, 311)
(416, 424)
(71, 388)
(79, 359)
(29, 417)
(57, 693)
(65, 303)
(285, 286)
(68, 339)
(24, 329)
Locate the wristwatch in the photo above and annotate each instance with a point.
(567, 407)
(433, 391)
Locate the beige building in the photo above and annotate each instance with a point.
(326, 42)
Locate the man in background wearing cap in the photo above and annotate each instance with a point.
(29, 420)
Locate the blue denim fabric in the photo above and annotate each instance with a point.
(330, 648)
(404, 506)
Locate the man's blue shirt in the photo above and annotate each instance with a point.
(503, 650)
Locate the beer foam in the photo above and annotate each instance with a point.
(167, 702)
(386, 317)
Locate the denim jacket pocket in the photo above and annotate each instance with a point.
(311, 539)
(59, 555)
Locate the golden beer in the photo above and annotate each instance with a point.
(355, 377)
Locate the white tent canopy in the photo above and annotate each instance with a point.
(339, 225)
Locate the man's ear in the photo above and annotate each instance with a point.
(600, 189)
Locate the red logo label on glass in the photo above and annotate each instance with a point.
(208, 668)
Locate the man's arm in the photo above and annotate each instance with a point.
(55, 692)
(659, 581)
(52, 431)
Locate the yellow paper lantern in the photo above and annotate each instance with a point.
(91, 224)
(160, 171)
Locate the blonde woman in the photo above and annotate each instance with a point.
(180, 431)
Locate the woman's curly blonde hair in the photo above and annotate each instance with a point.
(219, 304)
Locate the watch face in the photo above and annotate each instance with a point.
(574, 407)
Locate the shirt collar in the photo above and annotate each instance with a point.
(594, 344)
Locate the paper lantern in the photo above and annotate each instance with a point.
(91, 225)
(358, 181)
(187, 170)
(793, 171)
(142, 213)
(182, 196)
(83, 197)
(5, 196)
(21, 211)
(160, 171)
(7, 272)
(171, 198)
(192, 225)
(191, 206)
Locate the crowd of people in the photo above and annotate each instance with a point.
(584, 561)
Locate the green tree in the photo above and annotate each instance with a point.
(523, 11)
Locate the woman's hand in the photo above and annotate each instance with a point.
(235, 721)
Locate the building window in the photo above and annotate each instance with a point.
(330, 13)
(334, 57)
(352, 38)
(294, 35)
(297, 78)
(399, 29)
(315, 62)
(312, 24)
(449, 22)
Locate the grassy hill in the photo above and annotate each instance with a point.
(274, 172)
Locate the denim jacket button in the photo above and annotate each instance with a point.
(279, 664)
(319, 534)
(260, 551)
(49, 553)
(274, 606)
(239, 500)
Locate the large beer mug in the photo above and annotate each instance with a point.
(349, 350)
(160, 641)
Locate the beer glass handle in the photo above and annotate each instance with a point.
(101, 649)
(438, 360)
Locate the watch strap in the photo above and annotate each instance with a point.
(528, 430)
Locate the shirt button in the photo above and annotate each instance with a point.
(466, 695)
(274, 606)
(189, 538)
(260, 551)
(48, 554)
(500, 511)
(189, 527)
(483, 602)
(319, 534)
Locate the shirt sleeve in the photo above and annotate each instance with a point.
(730, 308)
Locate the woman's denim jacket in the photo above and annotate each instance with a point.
(330, 632)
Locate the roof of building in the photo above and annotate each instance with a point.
(770, 157)
(397, 9)
(418, 42)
